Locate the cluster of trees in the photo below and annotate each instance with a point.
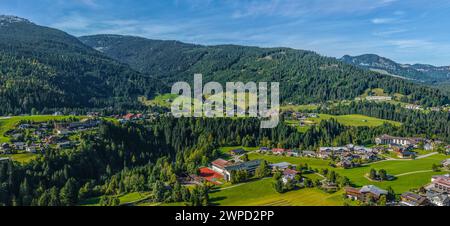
(380, 175)
(334, 178)
(109, 201)
(284, 186)
(63, 178)
(263, 170)
(239, 176)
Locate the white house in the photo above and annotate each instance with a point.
(428, 147)
(31, 149)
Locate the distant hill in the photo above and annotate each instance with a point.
(417, 72)
(42, 68)
(305, 76)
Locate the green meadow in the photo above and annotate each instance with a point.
(261, 193)
(306, 107)
(124, 199)
(355, 120)
(22, 158)
(411, 174)
(347, 120)
(418, 172)
(9, 123)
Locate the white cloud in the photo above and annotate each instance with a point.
(79, 25)
(388, 33)
(293, 8)
(383, 20)
(72, 22)
(411, 43)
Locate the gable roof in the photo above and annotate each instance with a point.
(290, 172)
(237, 151)
(373, 189)
(281, 165)
(221, 163)
(413, 197)
(279, 150)
(352, 190)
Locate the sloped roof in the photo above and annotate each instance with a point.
(373, 189)
(281, 165)
(220, 163)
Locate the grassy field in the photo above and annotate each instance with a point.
(356, 175)
(347, 120)
(10, 123)
(355, 120)
(22, 158)
(261, 193)
(308, 107)
(125, 198)
(164, 100)
(397, 97)
(296, 124)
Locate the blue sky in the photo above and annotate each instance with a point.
(407, 31)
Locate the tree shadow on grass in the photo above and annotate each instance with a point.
(214, 201)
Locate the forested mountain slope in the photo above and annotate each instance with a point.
(418, 72)
(43, 68)
(304, 76)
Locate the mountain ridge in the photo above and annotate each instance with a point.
(45, 68)
(305, 76)
(425, 73)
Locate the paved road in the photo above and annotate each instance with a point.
(427, 155)
(415, 172)
(393, 159)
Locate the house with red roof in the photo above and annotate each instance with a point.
(131, 116)
(279, 151)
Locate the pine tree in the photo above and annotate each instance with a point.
(69, 193)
